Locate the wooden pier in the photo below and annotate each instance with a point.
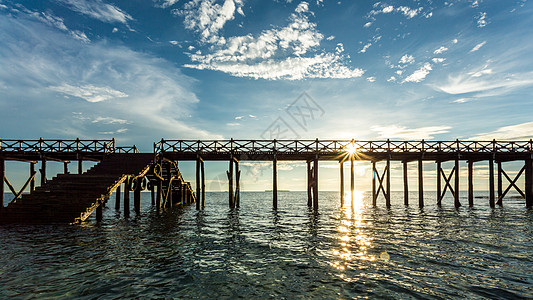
(313, 151)
(71, 198)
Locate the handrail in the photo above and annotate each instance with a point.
(64, 146)
(339, 146)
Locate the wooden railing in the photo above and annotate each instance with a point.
(64, 146)
(339, 146)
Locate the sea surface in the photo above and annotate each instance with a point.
(293, 253)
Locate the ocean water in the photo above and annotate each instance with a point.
(292, 253)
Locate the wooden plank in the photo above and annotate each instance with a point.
(80, 166)
(500, 183)
(43, 171)
(237, 185)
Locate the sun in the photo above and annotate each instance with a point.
(350, 149)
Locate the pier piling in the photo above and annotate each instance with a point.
(420, 183)
(275, 183)
(405, 184)
(341, 170)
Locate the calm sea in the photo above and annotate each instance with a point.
(256, 253)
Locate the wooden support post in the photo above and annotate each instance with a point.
(405, 185)
(158, 196)
(203, 183)
(152, 193)
(374, 193)
(500, 183)
(80, 166)
(456, 194)
(529, 182)
(2, 176)
(99, 212)
(315, 185)
(420, 183)
(470, 183)
(491, 182)
(237, 185)
(43, 171)
(137, 196)
(352, 179)
(341, 169)
(387, 196)
(230, 183)
(170, 192)
(198, 183)
(127, 187)
(275, 183)
(439, 185)
(117, 198)
(32, 182)
(65, 167)
(309, 184)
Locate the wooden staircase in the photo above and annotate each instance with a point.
(71, 198)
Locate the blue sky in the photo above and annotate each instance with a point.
(142, 70)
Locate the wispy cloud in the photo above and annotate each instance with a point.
(89, 92)
(523, 131)
(404, 133)
(478, 46)
(99, 10)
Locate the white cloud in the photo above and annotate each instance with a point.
(387, 9)
(391, 79)
(279, 53)
(407, 59)
(404, 133)
(438, 60)
(476, 82)
(175, 43)
(166, 3)
(478, 46)
(409, 12)
(419, 74)
(367, 24)
(233, 124)
(99, 10)
(208, 17)
(442, 49)
(371, 79)
(455, 41)
(523, 131)
(331, 37)
(110, 120)
(365, 47)
(482, 20)
(89, 92)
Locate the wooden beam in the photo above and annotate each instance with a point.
(230, 184)
(491, 182)
(470, 183)
(457, 203)
(387, 195)
(529, 182)
(374, 174)
(237, 185)
(420, 184)
(315, 185)
(202, 169)
(341, 180)
(80, 166)
(43, 171)
(439, 186)
(309, 184)
(2, 177)
(275, 183)
(500, 183)
(127, 187)
(65, 167)
(198, 183)
(405, 184)
(117, 198)
(32, 182)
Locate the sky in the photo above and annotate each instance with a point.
(139, 71)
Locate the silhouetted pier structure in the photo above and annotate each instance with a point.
(73, 197)
(313, 151)
(70, 198)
